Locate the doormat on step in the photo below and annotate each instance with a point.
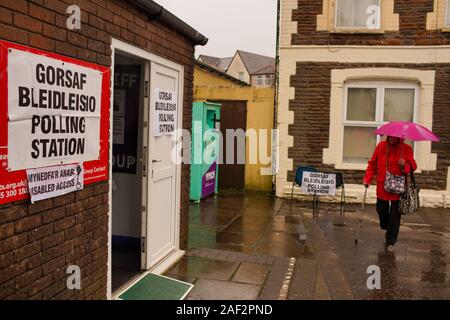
(156, 287)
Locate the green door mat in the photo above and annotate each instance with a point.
(156, 287)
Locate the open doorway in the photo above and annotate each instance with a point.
(127, 233)
(145, 183)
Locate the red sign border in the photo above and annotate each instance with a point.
(99, 168)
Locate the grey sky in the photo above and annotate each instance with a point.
(248, 25)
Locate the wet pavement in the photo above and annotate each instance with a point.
(253, 246)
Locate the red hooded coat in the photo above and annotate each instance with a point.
(377, 166)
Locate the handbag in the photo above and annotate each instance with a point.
(393, 183)
(410, 200)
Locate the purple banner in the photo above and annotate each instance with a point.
(209, 180)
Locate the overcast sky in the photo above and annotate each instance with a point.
(249, 25)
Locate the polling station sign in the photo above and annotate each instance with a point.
(317, 183)
(50, 182)
(165, 112)
(54, 110)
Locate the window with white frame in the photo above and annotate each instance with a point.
(369, 105)
(241, 76)
(263, 80)
(358, 14)
(260, 80)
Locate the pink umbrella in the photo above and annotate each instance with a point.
(407, 130)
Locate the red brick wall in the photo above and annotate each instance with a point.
(38, 242)
(413, 17)
(311, 106)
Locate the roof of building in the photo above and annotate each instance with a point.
(266, 70)
(220, 73)
(221, 63)
(159, 13)
(256, 63)
(225, 63)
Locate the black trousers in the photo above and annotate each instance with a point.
(390, 219)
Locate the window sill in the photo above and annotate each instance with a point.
(357, 31)
(446, 29)
(351, 166)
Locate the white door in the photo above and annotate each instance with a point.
(162, 175)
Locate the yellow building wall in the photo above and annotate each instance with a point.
(260, 115)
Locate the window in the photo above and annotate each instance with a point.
(368, 106)
(241, 76)
(358, 14)
(263, 80)
(447, 14)
(260, 80)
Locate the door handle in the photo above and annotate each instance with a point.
(156, 161)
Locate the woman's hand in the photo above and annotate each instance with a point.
(401, 162)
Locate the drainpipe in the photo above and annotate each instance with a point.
(159, 13)
(277, 84)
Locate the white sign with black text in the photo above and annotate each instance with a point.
(119, 116)
(50, 182)
(53, 111)
(165, 115)
(317, 183)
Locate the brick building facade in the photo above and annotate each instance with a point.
(38, 241)
(340, 77)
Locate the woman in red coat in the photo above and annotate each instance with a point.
(400, 162)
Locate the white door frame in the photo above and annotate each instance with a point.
(118, 45)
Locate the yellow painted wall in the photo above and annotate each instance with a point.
(260, 113)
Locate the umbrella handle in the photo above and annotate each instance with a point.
(401, 155)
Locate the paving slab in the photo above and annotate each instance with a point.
(304, 280)
(205, 289)
(204, 268)
(251, 273)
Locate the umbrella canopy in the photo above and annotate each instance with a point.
(407, 130)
